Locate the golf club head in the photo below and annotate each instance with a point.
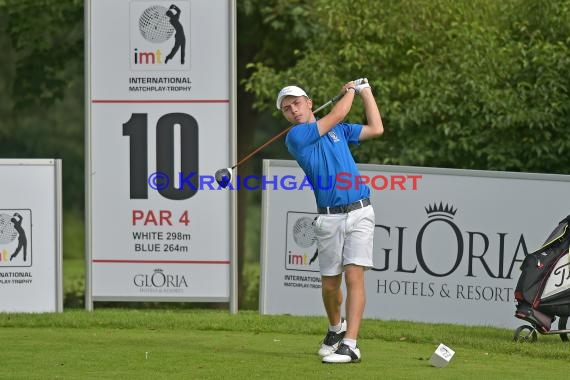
(224, 177)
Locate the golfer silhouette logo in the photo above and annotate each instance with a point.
(15, 230)
(173, 14)
(164, 30)
(22, 240)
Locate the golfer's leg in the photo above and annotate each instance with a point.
(357, 256)
(332, 297)
(355, 299)
(329, 244)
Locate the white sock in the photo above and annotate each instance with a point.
(336, 328)
(350, 343)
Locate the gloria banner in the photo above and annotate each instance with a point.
(160, 99)
(447, 248)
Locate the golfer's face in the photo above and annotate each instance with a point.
(297, 109)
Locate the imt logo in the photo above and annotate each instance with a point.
(160, 35)
(301, 242)
(298, 258)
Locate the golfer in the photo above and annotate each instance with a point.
(345, 225)
(173, 14)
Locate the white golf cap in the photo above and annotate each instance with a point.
(289, 91)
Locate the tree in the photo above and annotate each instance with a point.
(477, 84)
(42, 74)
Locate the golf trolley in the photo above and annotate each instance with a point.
(543, 289)
(529, 333)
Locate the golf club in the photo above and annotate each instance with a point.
(224, 176)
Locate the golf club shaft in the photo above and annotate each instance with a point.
(333, 100)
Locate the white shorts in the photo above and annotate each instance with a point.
(344, 239)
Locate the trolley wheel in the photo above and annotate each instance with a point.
(525, 333)
(562, 326)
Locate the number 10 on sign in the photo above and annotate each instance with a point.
(137, 130)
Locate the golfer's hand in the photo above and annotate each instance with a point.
(359, 81)
(350, 86)
(362, 86)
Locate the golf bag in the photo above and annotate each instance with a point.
(543, 288)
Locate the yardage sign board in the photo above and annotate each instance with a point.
(160, 90)
(448, 244)
(30, 236)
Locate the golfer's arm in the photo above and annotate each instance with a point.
(373, 126)
(337, 114)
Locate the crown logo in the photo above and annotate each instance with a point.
(440, 210)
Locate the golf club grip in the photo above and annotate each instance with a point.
(336, 98)
(333, 100)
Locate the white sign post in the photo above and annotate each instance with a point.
(448, 243)
(30, 236)
(160, 122)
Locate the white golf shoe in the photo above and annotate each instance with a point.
(332, 340)
(343, 354)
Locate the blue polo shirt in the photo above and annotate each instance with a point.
(328, 162)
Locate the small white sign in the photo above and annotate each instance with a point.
(442, 356)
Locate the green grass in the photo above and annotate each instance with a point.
(208, 344)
